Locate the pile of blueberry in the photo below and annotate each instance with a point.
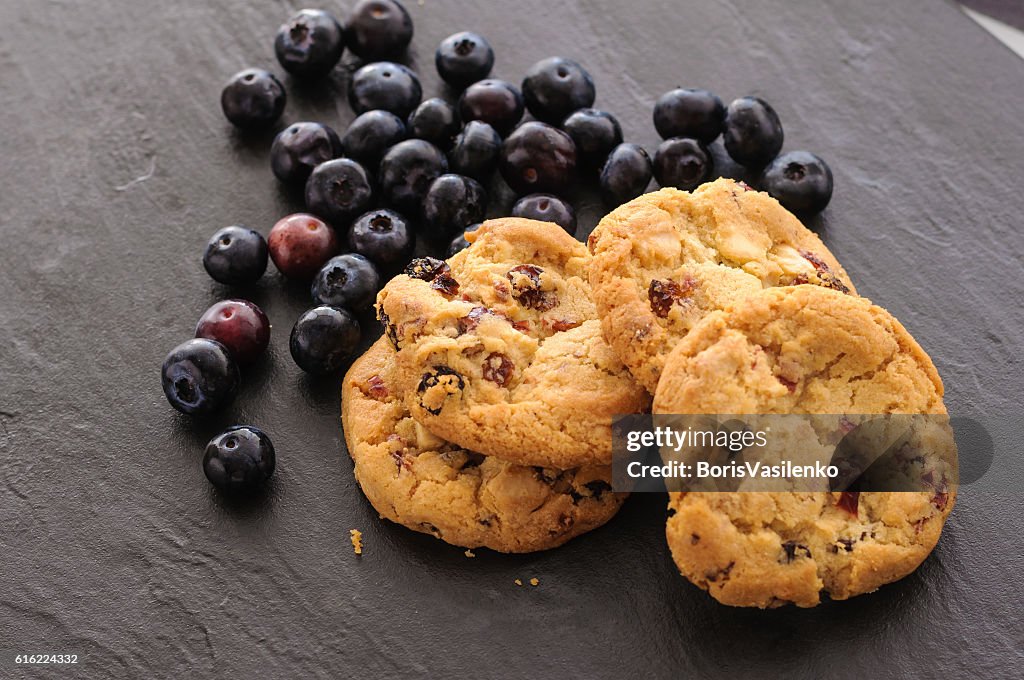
(408, 168)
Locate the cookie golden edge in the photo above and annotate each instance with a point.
(411, 476)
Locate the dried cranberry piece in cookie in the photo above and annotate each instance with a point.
(436, 271)
(560, 325)
(472, 319)
(790, 384)
(446, 284)
(435, 387)
(525, 280)
(826, 277)
(376, 388)
(849, 501)
(498, 368)
(664, 294)
(426, 268)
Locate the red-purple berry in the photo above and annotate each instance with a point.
(239, 325)
(300, 245)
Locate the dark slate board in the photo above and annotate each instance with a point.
(117, 165)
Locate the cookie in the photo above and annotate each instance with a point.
(501, 351)
(804, 349)
(420, 481)
(666, 259)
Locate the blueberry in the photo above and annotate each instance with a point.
(538, 157)
(475, 151)
(253, 98)
(682, 163)
(349, 281)
(385, 85)
(555, 87)
(625, 174)
(595, 134)
(370, 135)
(300, 244)
(310, 43)
(236, 256)
(379, 29)
(800, 181)
(753, 133)
(495, 102)
(407, 171)
(452, 203)
(239, 325)
(338, 190)
(464, 58)
(299, 148)
(459, 243)
(239, 460)
(199, 376)
(546, 208)
(435, 120)
(323, 339)
(697, 114)
(384, 237)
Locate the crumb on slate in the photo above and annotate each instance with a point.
(469, 553)
(534, 582)
(357, 541)
(518, 582)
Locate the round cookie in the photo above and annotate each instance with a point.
(666, 259)
(804, 349)
(501, 351)
(427, 484)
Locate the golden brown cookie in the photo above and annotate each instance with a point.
(804, 349)
(666, 259)
(427, 484)
(501, 351)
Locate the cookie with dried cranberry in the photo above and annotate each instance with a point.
(805, 349)
(501, 351)
(666, 259)
(423, 482)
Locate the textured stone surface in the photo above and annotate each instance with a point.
(118, 165)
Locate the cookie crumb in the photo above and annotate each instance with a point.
(534, 582)
(518, 582)
(357, 540)
(469, 553)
